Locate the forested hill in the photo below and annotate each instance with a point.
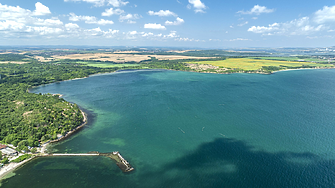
(26, 117)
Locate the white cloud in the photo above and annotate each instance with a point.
(162, 13)
(17, 21)
(104, 22)
(89, 19)
(197, 5)
(15, 13)
(263, 29)
(94, 32)
(99, 3)
(185, 39)
(301, 26)
(41, 9)
(111, 11)
(75, 18)
(173, 34)
(131, 22)
(11, 25)
(214, 40)
(154, 26)
(242, 24)
(71, 26)
(147, 34)
(129, 17)
(110, 33)
(43, 30)
(177, 22)
(239, 39)
(97, 32)
(257, 10)
(133, 32)
(48, 22)
(117, 3)
(327, 14)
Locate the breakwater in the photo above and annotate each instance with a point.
(122, 163)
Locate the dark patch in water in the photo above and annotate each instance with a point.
(250, 168)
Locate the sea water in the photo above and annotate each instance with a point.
(183, 129)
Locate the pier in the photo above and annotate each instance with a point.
(75, 154)
(122, 163)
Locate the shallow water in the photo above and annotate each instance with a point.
(182, 129)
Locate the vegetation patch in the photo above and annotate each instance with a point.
(28, 119)
(249, 64)
(22, 158)
(107, 64)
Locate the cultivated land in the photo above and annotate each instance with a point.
(119, 57)
(295, 58)
(106, 64)
(257, 64)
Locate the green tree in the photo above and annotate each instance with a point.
(15, 142)
(5, 160)
(25, 149)
(34, 150)
(22, 143)
(43, 138)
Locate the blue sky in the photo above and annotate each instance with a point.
(173, 23)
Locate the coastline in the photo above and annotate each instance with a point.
(5, 170)
(304, 69)
(70, 132)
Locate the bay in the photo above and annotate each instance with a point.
(183, 129)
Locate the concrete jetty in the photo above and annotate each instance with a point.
(75, 154)
(122, 163)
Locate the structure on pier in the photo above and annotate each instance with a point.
(120, 161)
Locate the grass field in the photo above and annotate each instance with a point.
(291, 58)
(106, 65)
(255, 64)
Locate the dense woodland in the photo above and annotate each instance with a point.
(28, 118)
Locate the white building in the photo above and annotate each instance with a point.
(7, 150)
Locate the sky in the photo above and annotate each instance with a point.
(168, 23)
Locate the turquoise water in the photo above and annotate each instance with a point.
(182, 129)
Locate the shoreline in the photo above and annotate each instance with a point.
(5, 170)
(304, 69)
(68, 134)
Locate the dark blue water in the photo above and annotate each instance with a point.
(181, 129)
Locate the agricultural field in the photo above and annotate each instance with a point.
(256, 64)
(292, 58)
(106, 65)
(121, 58)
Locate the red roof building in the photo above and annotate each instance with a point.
(3, 146)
